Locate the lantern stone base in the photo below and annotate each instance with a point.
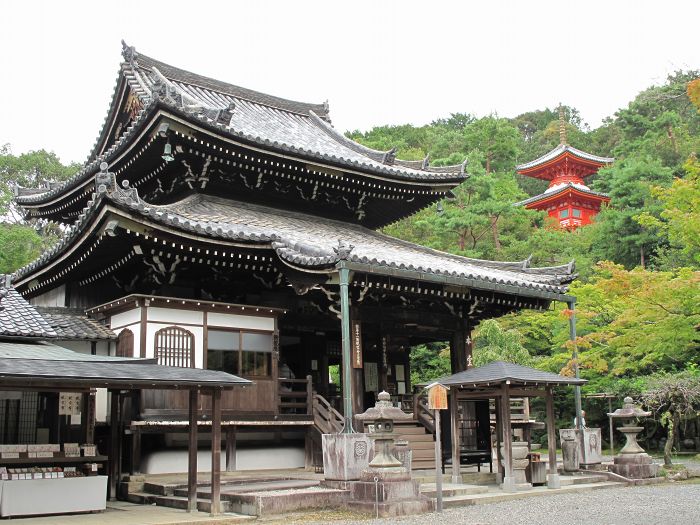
(345, 456)
(392, 497)
(635, 466)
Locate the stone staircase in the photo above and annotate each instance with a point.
(420, 442)
(248, 497)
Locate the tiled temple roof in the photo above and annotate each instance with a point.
(562, 189)
(72, 323)
(18, 318)
(500, 372)
(311, 242)
(561, 149)
(277, 124)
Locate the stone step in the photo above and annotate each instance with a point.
(422, 464)
(284, 501)
(582, 479)
(468, 478)
(422, 445)
(241, 488)
(496, 496)
(450, 490)
(180, 502)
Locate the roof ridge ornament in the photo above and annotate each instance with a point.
(129, 53)
(463, 167)
(343, 250)
(5, 285)
(426, 162)
(390, 156)
(106, 184)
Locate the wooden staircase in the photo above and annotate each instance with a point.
(420, 441)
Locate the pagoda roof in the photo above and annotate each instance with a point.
(305, 242)
(558, 190)
(251, 118)
(560, 152)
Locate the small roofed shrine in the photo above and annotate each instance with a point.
(501, 381)
(216, 227)
(568, 199)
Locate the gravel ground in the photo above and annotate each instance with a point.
(650, 505)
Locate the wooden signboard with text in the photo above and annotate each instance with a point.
(356, 337)
(437, 397)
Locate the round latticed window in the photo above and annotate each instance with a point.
(174, 346)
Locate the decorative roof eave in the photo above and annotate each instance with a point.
(125, 203)
(559, 152)
(136, 130)
(568, 188)
(441, 279)
(451, 179)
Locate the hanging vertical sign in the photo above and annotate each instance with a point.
(356, 344)
(385, 357)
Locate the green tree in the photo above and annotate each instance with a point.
(493, 343)
(19, 245)
(33, 169)
(498, 141)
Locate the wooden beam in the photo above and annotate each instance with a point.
(231, 449)
(499, 438)
(114, 444)
(192, 446)
(507, 440)
(454, 429)
(553, 478)
(216, 452)
(144, 328)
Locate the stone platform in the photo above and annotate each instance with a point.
(635, 466)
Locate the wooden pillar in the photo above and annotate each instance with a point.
(499, 439)
(231, 449)
(454, 430)
(553, 481)
(458, 354)
(88, 416)
(274, 368)
(114, 443)
(216, 452)
(135, 414)
(508, 482)
(192, 446)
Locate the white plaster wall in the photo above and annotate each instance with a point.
(55, 297)
(197, 331)
(82, 347)
(126, 317)
(240, 321)
(174, 315)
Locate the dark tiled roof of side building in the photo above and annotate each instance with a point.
(499, 372)
(18, 318)
(72, 323)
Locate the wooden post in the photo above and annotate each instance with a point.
(115, 445)
(438, 459)
(454, 428)
(458, 351)
(553, 481)
(88, 416)
(508, 482)
(309, 396)
(192, 446)
(231, 449)
(499, 437)
(344, 276)
(216, 452)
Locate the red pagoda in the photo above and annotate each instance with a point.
(567, 198)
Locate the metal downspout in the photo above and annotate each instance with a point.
(347, 358)
(577, 388)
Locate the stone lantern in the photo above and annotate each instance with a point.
(632, 462)
(385, 486)
(383, 415)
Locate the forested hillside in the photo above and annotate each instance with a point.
(638, 294)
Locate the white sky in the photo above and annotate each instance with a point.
(377, 62)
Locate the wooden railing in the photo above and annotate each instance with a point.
(295, 396)
(421, 413)
(326, 418)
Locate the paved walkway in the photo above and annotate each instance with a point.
(122, 513)
(668, 503)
